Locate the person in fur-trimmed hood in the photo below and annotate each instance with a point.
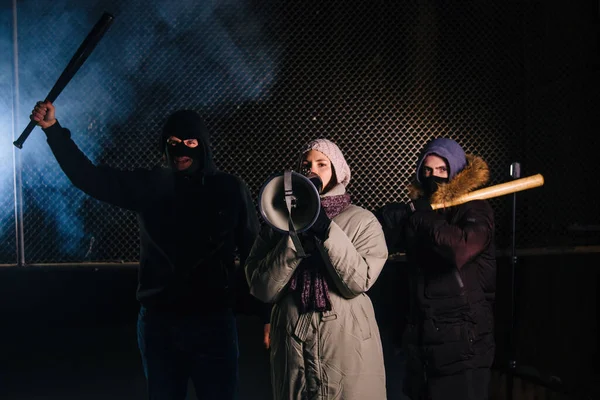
(448, 339)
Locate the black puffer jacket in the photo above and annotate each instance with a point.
(451, 255)
(190, 226)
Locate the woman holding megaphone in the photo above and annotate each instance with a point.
(325, 340)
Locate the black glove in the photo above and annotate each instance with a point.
(393, 218)
(392, 215)
(321, 225)
(420, 204)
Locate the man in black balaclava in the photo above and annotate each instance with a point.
(194, 221)
(184, 141)
(448, 337)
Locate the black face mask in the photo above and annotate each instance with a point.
(181, 150)
(186, 124)
(431, 183)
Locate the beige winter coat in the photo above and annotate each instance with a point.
(325, 355)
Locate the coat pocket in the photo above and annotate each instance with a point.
(362, 325)
(448, 343)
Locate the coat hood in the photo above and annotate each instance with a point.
(473, 176)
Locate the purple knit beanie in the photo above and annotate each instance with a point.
(333, 152)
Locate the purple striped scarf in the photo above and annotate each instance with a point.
(309, 283)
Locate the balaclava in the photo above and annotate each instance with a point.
(186, 124)
(452, 153)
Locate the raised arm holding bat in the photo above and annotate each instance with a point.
(193, 219)
(85, 49)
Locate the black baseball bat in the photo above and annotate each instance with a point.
(82, 53)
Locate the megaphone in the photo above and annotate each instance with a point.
(289, 202)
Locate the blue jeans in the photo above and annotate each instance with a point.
(200, 347)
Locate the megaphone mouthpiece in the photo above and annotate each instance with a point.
(315, 180)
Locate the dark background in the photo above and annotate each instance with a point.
(511, 81)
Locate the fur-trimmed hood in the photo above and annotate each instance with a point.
(475, 175)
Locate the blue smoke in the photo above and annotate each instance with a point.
(7, 222)
(147, 47)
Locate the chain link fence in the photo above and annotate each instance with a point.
(379, 78)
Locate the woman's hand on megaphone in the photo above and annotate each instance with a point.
(321, 225)
(267, 336)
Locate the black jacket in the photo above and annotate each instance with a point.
(451, 256)
(191, 227)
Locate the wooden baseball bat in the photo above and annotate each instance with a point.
(489, 192)
(82, 53)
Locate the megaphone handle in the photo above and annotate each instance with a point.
(297, 244)
(287, 186)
